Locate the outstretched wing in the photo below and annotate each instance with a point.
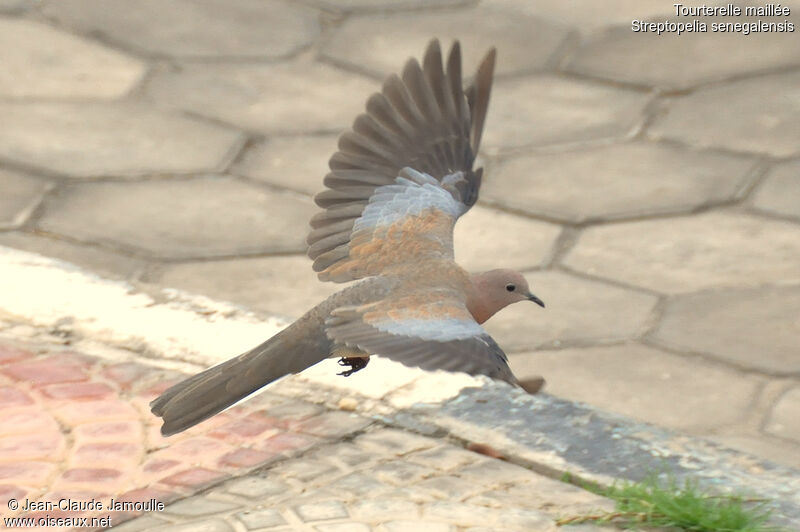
(425, 121)
(430, 329)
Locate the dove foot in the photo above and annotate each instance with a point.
(355, 363)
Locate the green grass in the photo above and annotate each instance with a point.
(651, 503)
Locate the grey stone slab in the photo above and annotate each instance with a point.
(578, 310)
(202, 217)
(547, 110)
(646, 384)
(777, 450)
(562, 436)
(661, 60)
(382, 43)
(765, 121)
(261, 518)
(106, 263)
(780, 192)
(285, 285)
(199, 28)
(17, 5)
(783, 421)
(755, 328)
(486, 238)
(20, 196)
(92, 139)
(618, 181)
(685, 254)
(321, 511)
(296, 97)
(198, 506)
(298, 163)
(41, 62)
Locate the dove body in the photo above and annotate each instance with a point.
(402, 177)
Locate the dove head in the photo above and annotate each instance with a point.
(496, 289)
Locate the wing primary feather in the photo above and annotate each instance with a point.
(478, 97)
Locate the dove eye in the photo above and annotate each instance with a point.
(510, 287)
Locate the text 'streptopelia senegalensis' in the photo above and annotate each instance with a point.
(401, 178)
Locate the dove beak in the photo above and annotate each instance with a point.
(536, 300)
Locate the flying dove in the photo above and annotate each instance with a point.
(401, 179)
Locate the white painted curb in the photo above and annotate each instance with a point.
(48, 293)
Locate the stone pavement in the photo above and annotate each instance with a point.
(648, 185)
(77, 427)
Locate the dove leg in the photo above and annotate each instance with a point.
(354, 358)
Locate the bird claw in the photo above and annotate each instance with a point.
(355, 364)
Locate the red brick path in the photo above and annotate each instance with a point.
(76, 426)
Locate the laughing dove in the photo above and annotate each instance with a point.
(401, 178)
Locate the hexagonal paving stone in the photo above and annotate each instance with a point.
(685, 254)
(660, 60)
(777, 450)
(16, 5)
(783, 420)
(371, 5)
(298, 97)
(578, 311)
(20, 195)
(105, 263)
(204, 217)
(196, 28)
(780, 192)
(486, 238)
(644, 383)
(767, 110)
(546, 110)
(299, 163)
(40, 62)
(755, 328)
(590, 14)
(382, 43)
(93, 139)
(616, 181)
(286, 286)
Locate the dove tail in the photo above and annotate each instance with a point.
(201, 396)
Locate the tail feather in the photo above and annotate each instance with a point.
(201, 396)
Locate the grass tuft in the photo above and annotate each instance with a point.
(651, 503)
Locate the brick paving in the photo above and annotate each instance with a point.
(78, 427)
(646, 185)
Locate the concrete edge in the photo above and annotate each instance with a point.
(40, 296)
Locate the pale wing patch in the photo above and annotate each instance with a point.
(406, 222)
(440, 330)
(412, 193)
